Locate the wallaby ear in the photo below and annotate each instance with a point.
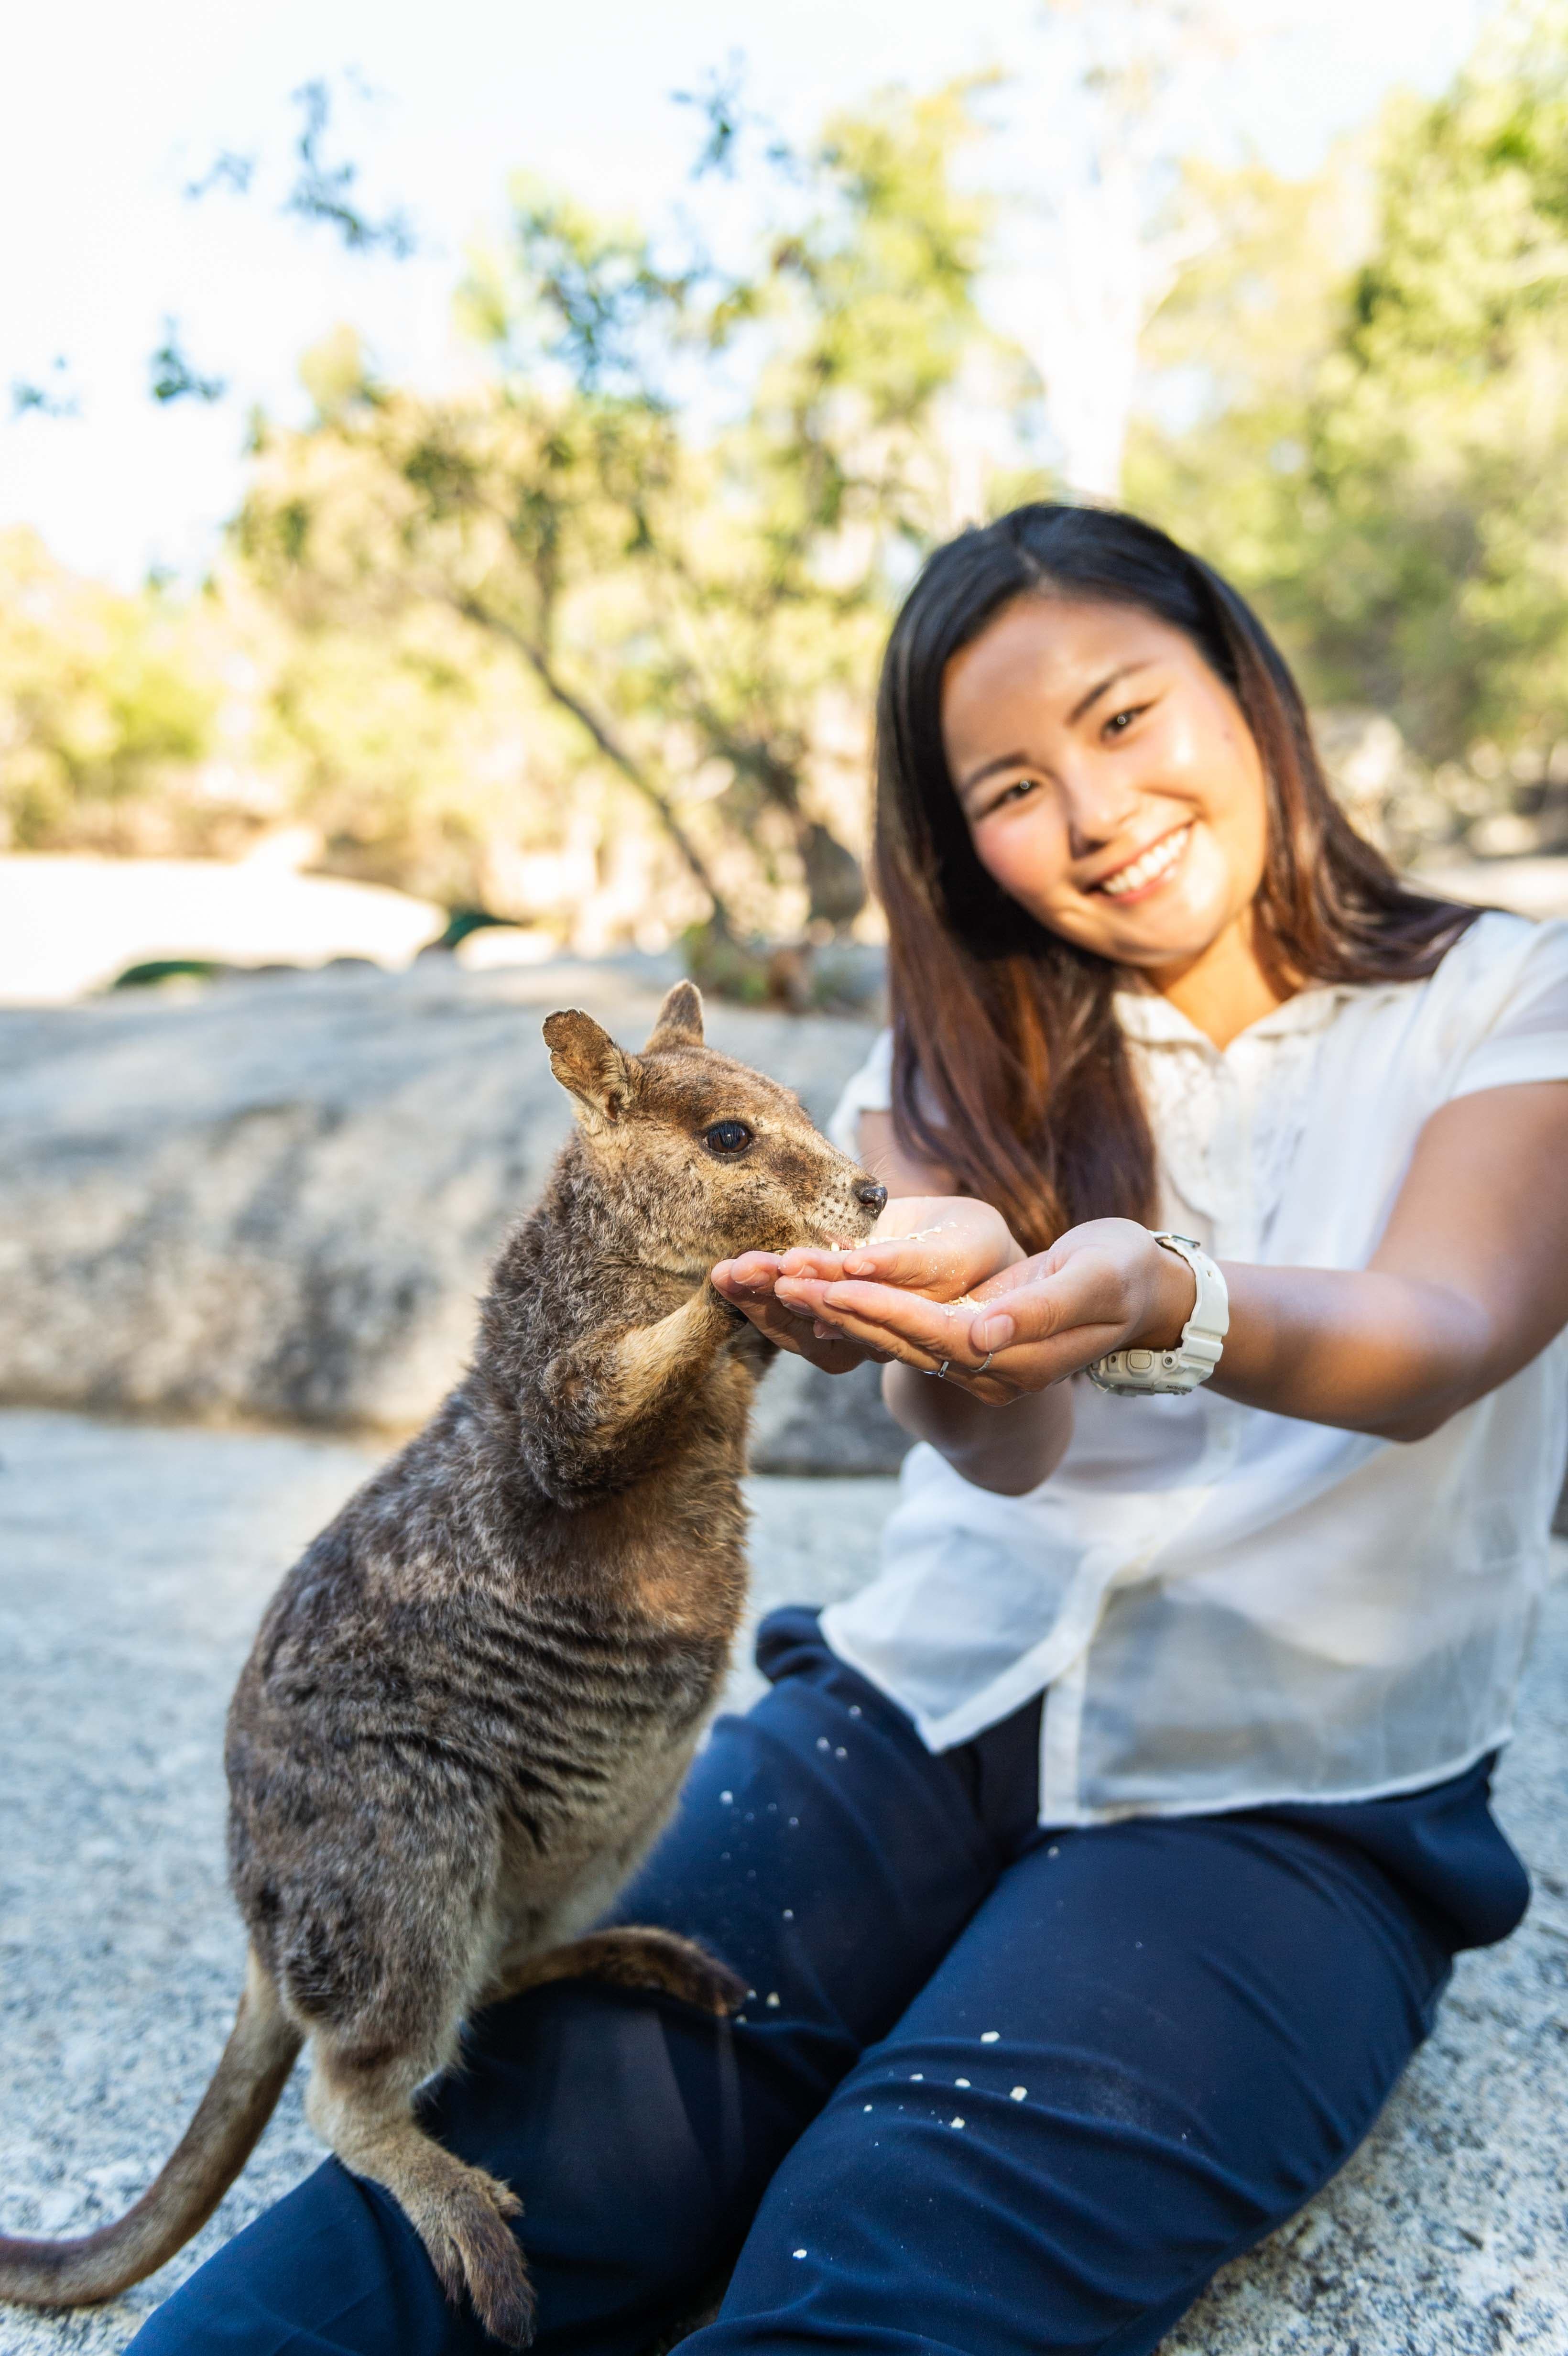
(590, 1067)
(679, 1021)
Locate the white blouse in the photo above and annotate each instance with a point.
(1226, 1607)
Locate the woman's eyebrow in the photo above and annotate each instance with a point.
(988, 769)
(1084, 703)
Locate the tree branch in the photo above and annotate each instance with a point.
(610, 746)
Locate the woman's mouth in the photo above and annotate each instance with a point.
(1148, 869)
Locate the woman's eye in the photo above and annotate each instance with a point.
(1020, 789)
(1120, 722)
(727, 1137)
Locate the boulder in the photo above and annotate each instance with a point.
(806, 1421)
(275, 1198)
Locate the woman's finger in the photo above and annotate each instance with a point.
(919, 1331)
(751, 1291)
(940, 1245)
(1075, 1313)
(749, 1277)
(923, 1263)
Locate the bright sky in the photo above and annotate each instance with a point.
(108, 112)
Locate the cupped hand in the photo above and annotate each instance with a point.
(904, 1292)
(938, 1245)
(747, 1284)
(1023, 1325)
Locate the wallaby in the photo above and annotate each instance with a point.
(469, 1709)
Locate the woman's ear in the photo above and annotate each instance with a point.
(601, 1076)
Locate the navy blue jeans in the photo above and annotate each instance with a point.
(997, 2088)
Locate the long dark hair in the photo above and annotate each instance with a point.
(1009, 1066)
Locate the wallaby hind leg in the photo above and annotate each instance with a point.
(362, 2107)
(637, 1955)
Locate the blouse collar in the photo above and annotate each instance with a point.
(1147, 1015)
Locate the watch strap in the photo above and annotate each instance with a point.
(1133, 1372)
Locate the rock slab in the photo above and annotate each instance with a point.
(134, 1563)
(276, 1199)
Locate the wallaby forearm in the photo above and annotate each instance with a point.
(607, 1407)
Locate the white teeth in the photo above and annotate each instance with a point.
(1153, 861)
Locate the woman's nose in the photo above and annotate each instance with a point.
(1097, 807)
(871, 1193)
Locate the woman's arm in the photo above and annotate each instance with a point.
(1470, 1281)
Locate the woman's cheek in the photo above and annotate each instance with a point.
(1027, 861)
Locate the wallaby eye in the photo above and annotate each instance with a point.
(727, 1137)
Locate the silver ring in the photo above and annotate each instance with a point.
(941, 1369)
(984, 1362)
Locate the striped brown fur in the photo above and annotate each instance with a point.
(470, 1706)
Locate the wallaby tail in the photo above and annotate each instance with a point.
(262, 2048)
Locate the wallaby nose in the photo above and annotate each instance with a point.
(870, 1192)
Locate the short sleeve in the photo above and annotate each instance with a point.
(871, 1090)
(1526, 1037)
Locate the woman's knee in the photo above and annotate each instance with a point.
(638, 2136)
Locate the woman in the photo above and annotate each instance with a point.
(1098, 1867)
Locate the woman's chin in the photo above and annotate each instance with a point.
(1157, 939)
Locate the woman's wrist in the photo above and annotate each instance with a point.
(1173, 1296)
(1006, 1446)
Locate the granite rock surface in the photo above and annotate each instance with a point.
(134, 1561)
(276, 1199)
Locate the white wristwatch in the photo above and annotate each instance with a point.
(1129, 1374)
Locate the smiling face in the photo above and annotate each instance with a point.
(1109, 780)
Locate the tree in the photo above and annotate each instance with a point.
(1393, 481)
(700, 592)
(1099, 239)
(106, 714)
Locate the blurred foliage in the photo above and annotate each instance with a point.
(1380, 455)
(107, 708)
(676, 509)
(590, 641)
